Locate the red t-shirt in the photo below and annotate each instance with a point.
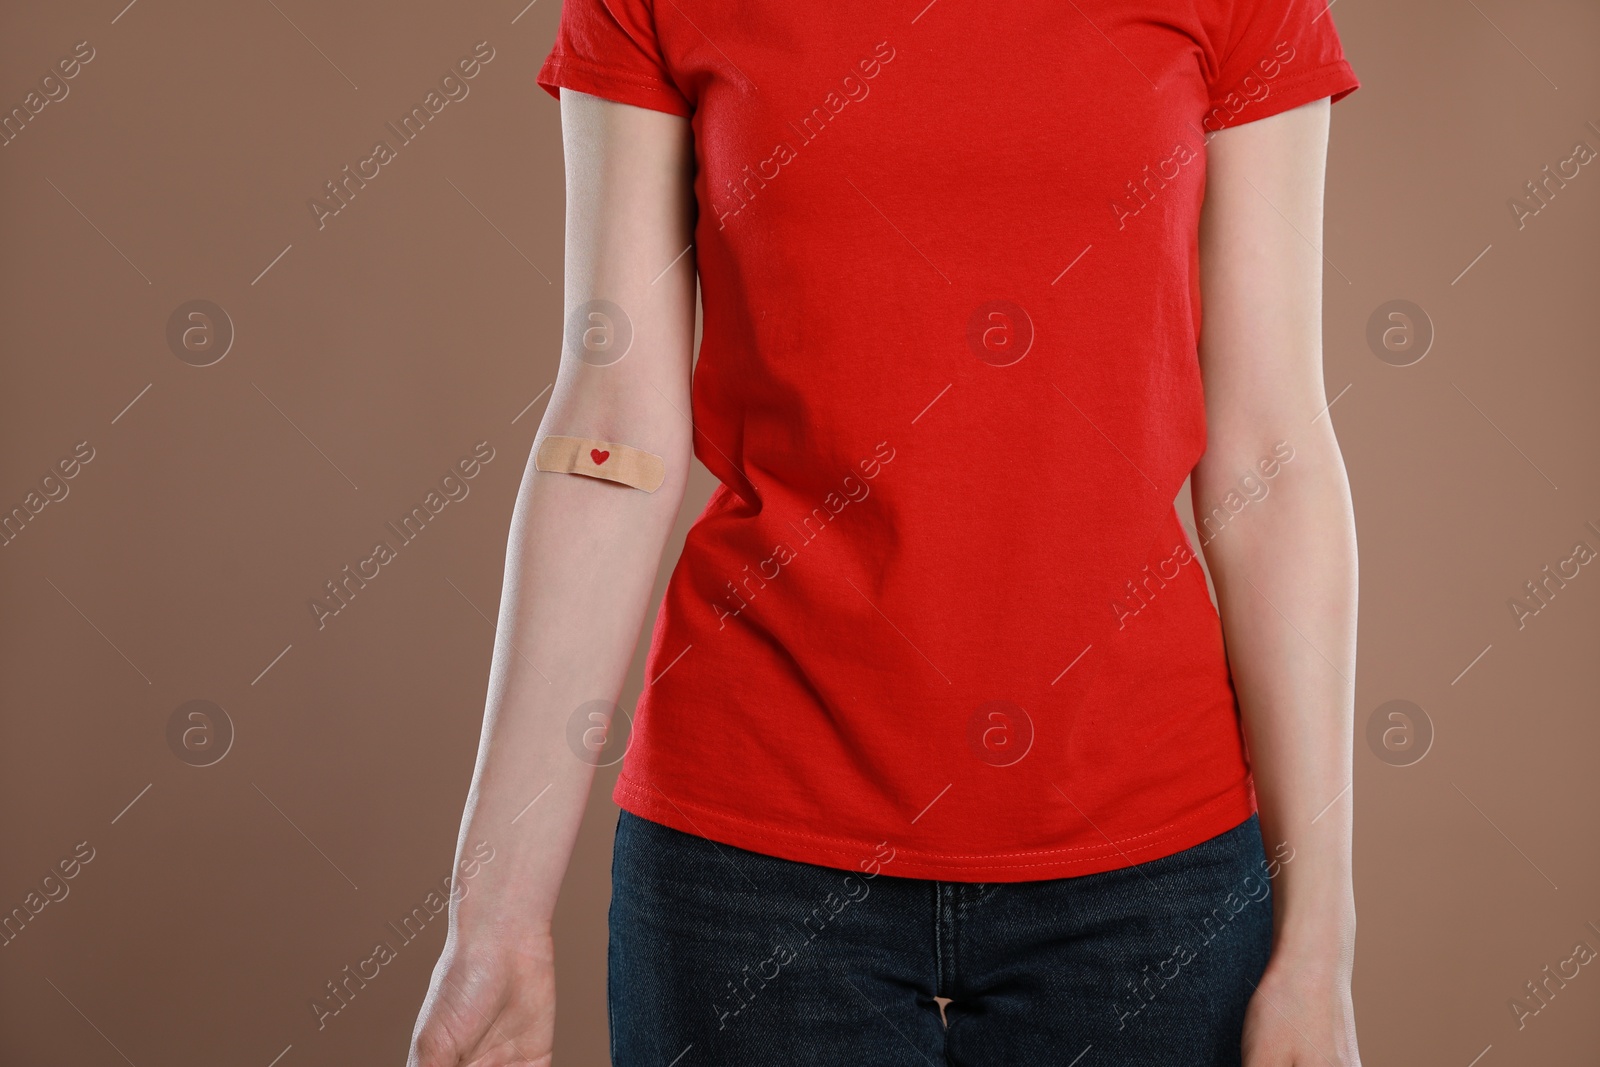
(941, 607)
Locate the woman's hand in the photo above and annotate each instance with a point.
(1301, 1016)
(492, 1002)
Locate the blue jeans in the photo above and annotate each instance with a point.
(721, 956)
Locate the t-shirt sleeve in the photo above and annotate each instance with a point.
(608, 48)
(1268, 56)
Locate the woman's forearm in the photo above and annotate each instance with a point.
(1285, 573)
(580, 565)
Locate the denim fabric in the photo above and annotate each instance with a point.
(722, 956)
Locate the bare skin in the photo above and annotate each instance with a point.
(583, 555)
(1285, 569)
(581, 562)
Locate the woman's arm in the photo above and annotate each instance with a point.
(580, 565)
(1285, 566)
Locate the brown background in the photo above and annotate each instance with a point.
(425, 317)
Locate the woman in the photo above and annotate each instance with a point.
(941, 757)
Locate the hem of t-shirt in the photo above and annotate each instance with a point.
(562, 70)
(1217, 816)
(1335, 80)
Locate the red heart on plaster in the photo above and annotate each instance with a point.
(598, 456)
